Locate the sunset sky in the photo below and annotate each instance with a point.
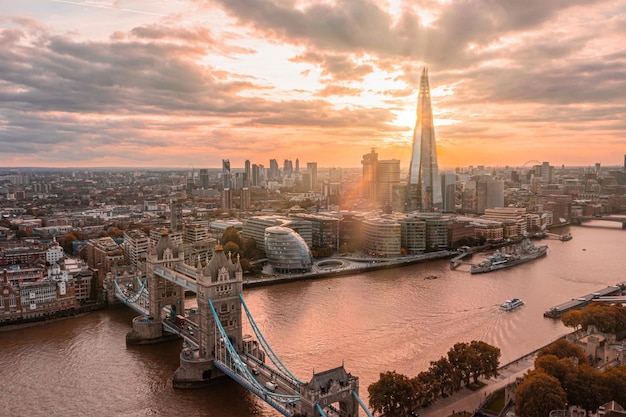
(175, 83)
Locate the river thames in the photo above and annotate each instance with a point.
(373, 322)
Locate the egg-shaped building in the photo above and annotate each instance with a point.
(286, 250)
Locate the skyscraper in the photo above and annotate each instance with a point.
(226, 178)
(424, 184)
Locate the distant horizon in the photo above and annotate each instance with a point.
(302, 169)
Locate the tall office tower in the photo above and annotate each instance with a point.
(387, 176)
(226, 174)
(311, 169)
(227, 199)
(255, 180)
(273, 172)
(245, 199)
(204, 178)
(298, 164)
(448, 188)
(369, 162)
(424, 184)
(287, 167)
(248, 174)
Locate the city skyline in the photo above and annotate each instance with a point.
(187, 83)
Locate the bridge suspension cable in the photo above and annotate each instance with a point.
(142, 291)
(273, 357)
(361, 403)
(240, 366)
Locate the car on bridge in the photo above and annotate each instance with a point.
(270, 385)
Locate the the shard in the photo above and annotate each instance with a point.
(424, 184)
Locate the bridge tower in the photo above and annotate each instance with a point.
(334, 388)
(161, 293)
(221, 281)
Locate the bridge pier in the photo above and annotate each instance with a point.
(195, 371)
(146, 332)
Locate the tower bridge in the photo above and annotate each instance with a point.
(214, 345)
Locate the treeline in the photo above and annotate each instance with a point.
(563, 376)
(395, 394)
(606, 318)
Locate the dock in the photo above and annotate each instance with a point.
(608, 294)
(456, 261)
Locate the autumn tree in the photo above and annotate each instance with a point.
(232, 235)
(392, 395)
(460, 357)
(538, 394)
(561, 348)
(442, 371)
(606, 318)
(484, 360)
(615, 382)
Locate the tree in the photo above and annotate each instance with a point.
(426, 388)
(232, 235)
(459, 357)
(392, 395)
(486, 358)
(615, 382)
(561, 348)
(538, 394)
(443, 372)
(231, 247)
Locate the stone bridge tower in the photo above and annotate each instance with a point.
(221, 281)
(331, 389)
(161, 293)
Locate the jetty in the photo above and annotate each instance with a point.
(611, 293)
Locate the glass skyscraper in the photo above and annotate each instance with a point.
(424, 184)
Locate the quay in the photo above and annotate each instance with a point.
(333, 267)
(580, 302)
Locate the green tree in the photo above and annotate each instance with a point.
(392, 395)
(538, 394)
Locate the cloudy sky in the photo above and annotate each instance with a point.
(180, 83)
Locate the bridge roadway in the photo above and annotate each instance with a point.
(580, 219)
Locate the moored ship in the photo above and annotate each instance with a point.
(524, 252)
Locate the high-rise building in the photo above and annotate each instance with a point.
(387, 175)
(247, 174)
(311, 169)
(226, 178)
(255, 179)
(369, 162)
(424, 184)
(204, 178)
(273, 173)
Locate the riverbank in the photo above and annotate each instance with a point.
(472, 401)
(338, 266)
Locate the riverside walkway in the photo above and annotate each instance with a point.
(468, 400)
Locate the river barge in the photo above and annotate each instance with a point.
(580, 302)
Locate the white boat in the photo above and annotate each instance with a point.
(511, 304)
